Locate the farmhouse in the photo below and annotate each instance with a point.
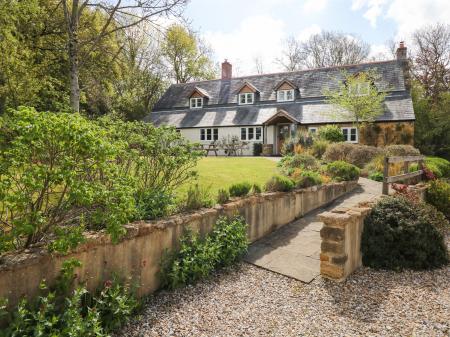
(269, 108)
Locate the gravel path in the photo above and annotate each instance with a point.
(249, 301)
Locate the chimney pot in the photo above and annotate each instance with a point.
(227, 70)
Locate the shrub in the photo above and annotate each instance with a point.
(256, 189)
(197, 258)
(355, 154)
(439, 166)
(153, 204)
(298, 143)
(303, 161)
(197, 197)
(437, 218)
(377, 176)
(319, 147)
(438, 195)
(257, 149)
(308, 179)
(223, 196)
(397, 235)
(240, 189)
(331, 133)
(401, 150)
(279, 183)
(342, 171)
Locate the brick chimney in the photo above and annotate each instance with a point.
(227, 70)
(402, 51)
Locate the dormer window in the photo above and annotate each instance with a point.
(196, 102)
(246, 98)
(285, 95)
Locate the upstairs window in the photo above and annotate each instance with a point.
(285, 95)
(196, 102)
(350, 135)
(246, 98)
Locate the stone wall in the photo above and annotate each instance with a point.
(139, 253)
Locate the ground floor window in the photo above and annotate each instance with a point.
(350, 134)
(209, 134)
(251, 133)
(312, 129)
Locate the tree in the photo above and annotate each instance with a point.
(324, 49)
(357, 97)
(432, 60)
(187, 58)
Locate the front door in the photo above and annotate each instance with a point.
(284, 132)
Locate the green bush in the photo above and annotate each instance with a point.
(197, 258)
(240, 189)
(153, 204)
(319, 147)
(308, 179)
(304, 161)
(279, 183)
(331, 133)
(302, 138)
(437, 218)
(401, 150)
(355, 154)
(197, 197)
(439, 166)
(398, 235)
(438, 195)
(342, 171)
(223, 196)
(257, 149)
(377, 176)
(256, 189)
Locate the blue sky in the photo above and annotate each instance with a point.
(242, 30)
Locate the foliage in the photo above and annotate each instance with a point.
(357, 98)
(223, 196)
(398, 235)
(342, 171)
(197, 257)
(153, 204)
(197, 197)
(279, 183)
(298, 143)
(438, 195)
(439, 166)
(303, 161)
(331, 133)
(355, 154)
(256, 189)
(308, 179)
(55, 170)
(401, 150)
(240, 189)
(318, 148)
(377, 176)
(257, 149)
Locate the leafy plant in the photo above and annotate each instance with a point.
(303, 161)
(439, 166)
(256, 189)
(319, 147)
(401, 150)
(355, 154)
(398, 235)
(342, 171)
(377, 176)
(152, 204)
(308, 179)
(438, 195)
(223, 196)
(279, 183)
(297, 143)
(240, 189)
(197, 197)
(331, 133)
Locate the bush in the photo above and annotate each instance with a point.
(223, 196)
(355, 154)
(197, 197)
(303, 161)
(308, 179)
(197, 258)
(298, 143)
(257, 149)
(437, 218)
(153, 204)
(331, 133)
(319, 147)
(279, 183)
(438, 195)
(256, 189)
(240, 189)
(439, 166)
(398, 235)
(401, 150)
(377, 176)
(342, 171)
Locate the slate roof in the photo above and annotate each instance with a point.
(308, 108)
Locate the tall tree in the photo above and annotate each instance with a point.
(119, 15)
(291, 55)
(432, 59)
(187, 58)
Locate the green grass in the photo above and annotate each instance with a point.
(221, 172)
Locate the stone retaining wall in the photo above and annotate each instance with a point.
(139, 253)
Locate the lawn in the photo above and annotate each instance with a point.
(221, 172)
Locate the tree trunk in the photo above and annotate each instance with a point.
(72, 30)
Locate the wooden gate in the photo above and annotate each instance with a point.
(401, 177)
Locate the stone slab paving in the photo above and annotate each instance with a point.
(294, 249)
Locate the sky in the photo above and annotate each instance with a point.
(244, 30)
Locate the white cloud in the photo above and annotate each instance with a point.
(380, 52)
(314, 6)
(374, 9)
(308, 31)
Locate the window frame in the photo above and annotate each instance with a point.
(246, 100)
(256, 133)
(285, 94)
(348, 138)
(211, 133)
(196, 100)
(311, 128)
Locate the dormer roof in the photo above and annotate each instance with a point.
(249, 85)
(284, 81)
(200, 91)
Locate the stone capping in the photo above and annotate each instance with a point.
(138, 254)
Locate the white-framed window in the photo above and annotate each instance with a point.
(209, 134)
(312, 129)
(251, 133)
(350, 134)
(196, 102)
(246, 98)
(360, 89)
(285, 95)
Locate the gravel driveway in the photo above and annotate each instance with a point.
(248, 301)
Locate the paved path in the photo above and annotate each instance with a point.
(294, 249)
